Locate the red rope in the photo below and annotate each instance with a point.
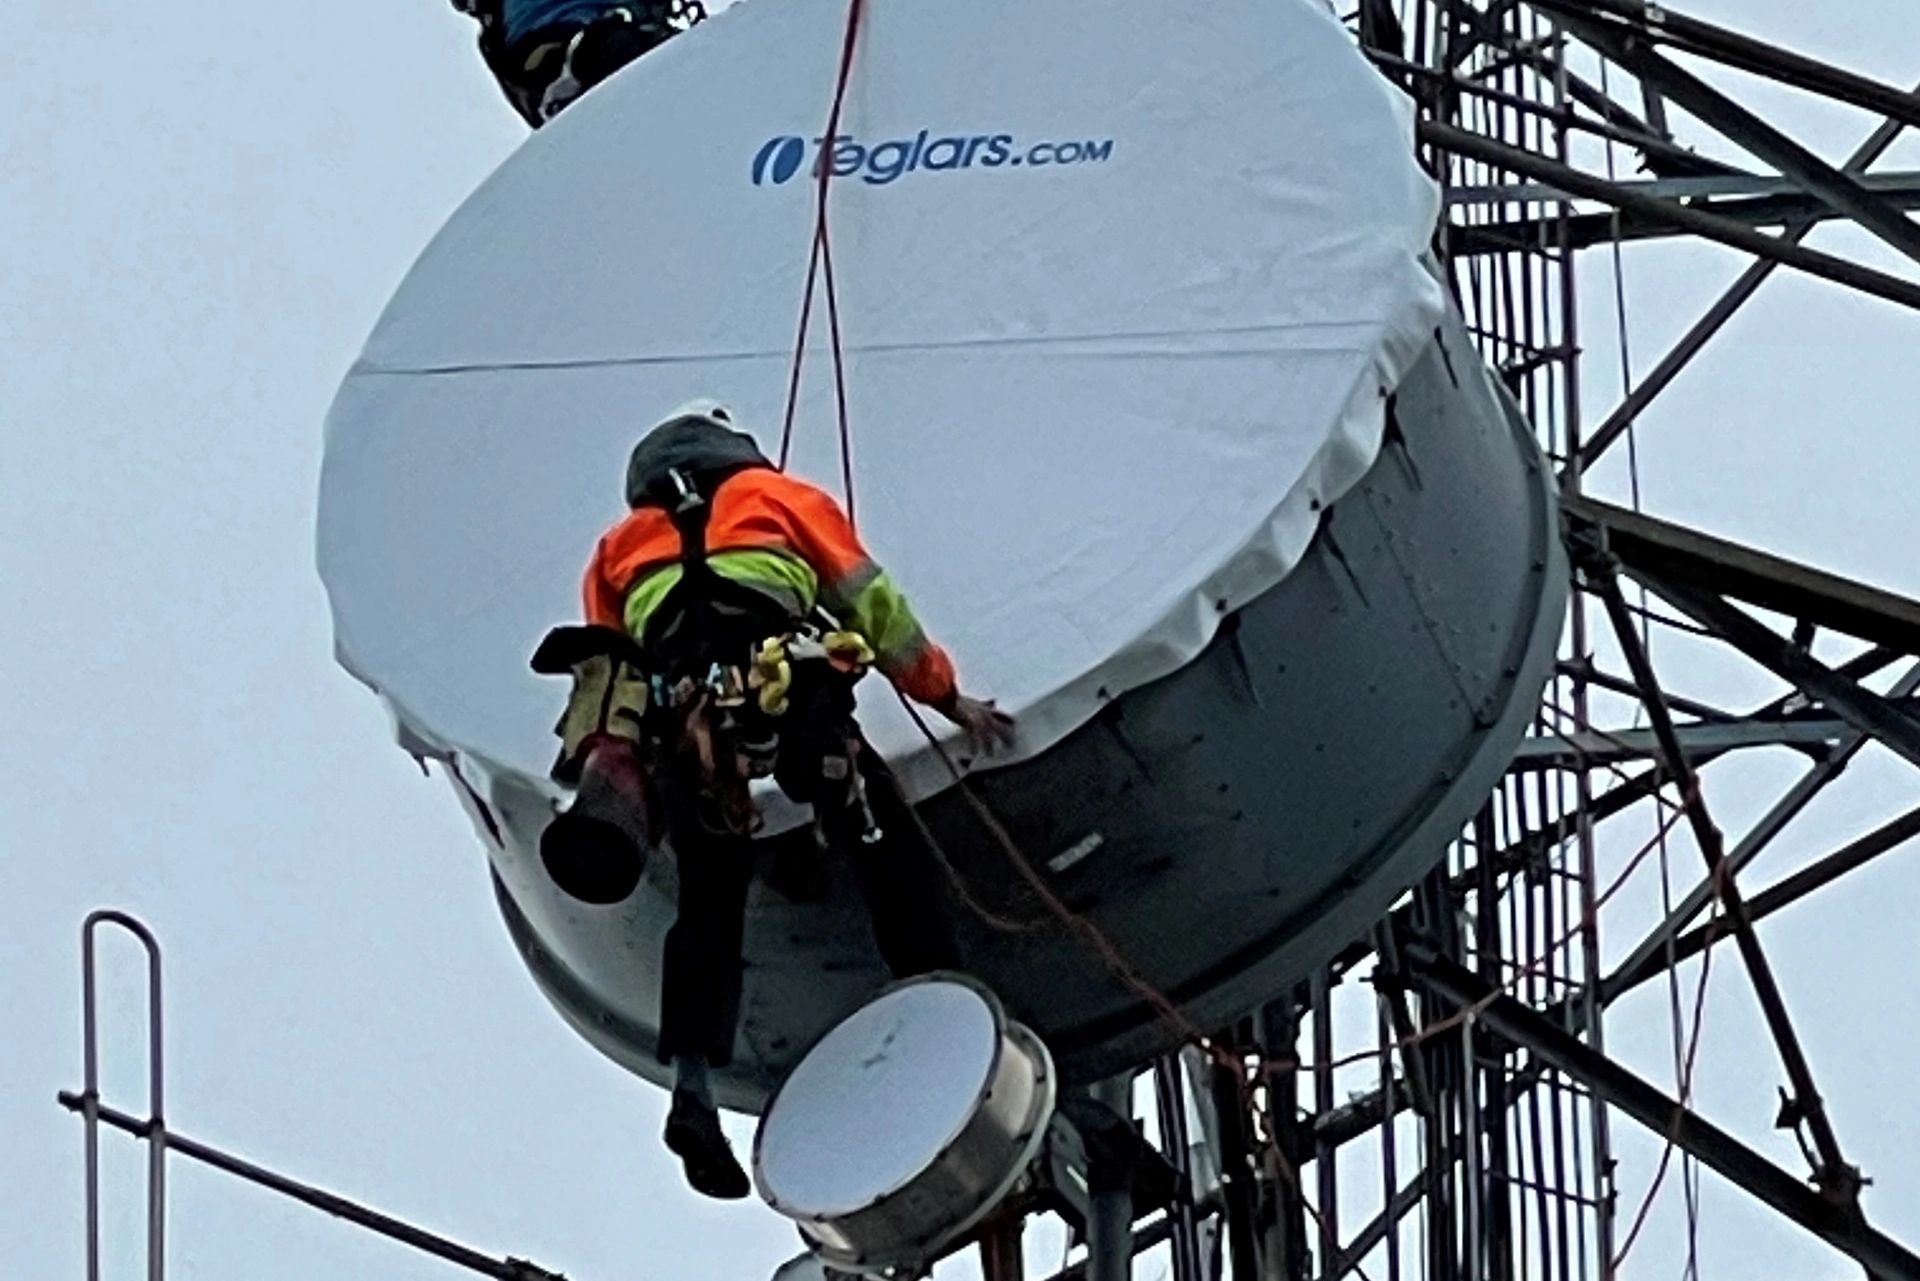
(820, 272)
(839, 372)
(799, 349)
(820, 275)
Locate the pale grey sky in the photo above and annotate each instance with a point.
(203, 213)
(202, 209)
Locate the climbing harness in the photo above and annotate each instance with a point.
(723, 721)
(705, 687)
(730, 719)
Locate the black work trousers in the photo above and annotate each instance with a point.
(897, 875)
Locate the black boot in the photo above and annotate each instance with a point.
(693, 1135)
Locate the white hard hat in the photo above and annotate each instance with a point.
(706, 407)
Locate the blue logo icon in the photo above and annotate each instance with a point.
(779, 160)
(880, 163)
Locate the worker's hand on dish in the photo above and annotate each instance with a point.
(988, 728)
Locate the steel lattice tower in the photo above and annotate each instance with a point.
(1440, 1101)
(1455, 1113)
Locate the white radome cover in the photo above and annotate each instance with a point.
(1093, 404)
(878, 1100)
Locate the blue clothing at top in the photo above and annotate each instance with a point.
(522, 17)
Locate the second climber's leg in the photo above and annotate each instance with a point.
(900, 877)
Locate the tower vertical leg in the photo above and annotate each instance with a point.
(1002, 1257)
(1239, 1181)
(1283, 1246)
(1171, 1095)
(1110, 1190)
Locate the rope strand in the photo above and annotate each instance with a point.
(820, 261)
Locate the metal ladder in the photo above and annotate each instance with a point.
(162, 1143)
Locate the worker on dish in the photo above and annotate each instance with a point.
(730, 614)
(546, 53)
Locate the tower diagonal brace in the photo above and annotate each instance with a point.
(1661, 376)
(1848, 858)
(1840, 1226)
(1763, 833)
(1840, 1180)
(1648, 548)
(1837, 188)
(1484, 30)
(1660, 24)
(1726, 231)
(1859, 706)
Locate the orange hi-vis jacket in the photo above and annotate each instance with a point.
(787, 539)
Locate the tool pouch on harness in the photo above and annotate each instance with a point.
(596, 849)
(610, 690)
